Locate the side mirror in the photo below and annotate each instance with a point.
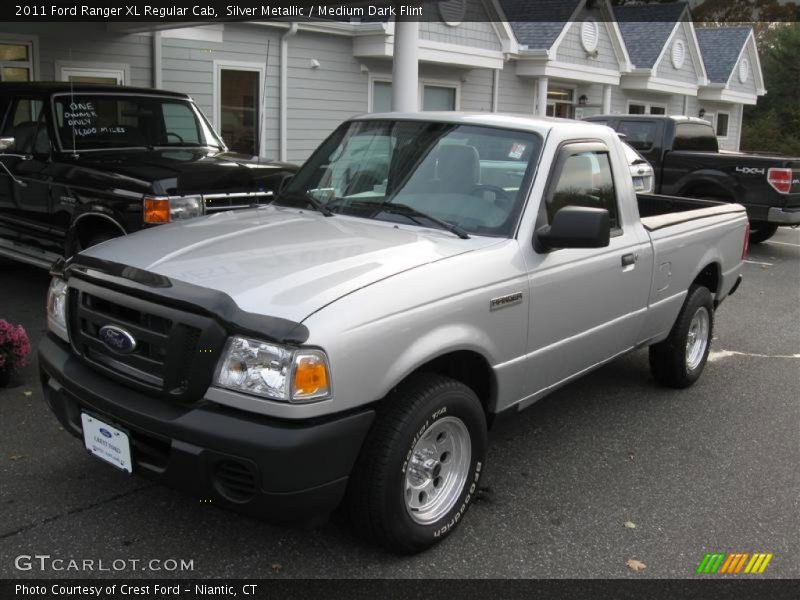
(284, 182)
(6, 143)
(575, 227)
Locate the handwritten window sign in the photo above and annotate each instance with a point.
(83, 119)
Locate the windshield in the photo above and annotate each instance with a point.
(469, 176)
(104, 121)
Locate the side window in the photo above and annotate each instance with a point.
(180, 125)
(639, 134)
(26, 124)
(585, 180)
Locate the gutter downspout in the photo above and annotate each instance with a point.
(284, 84)
(158, 75)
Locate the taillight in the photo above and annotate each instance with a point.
(746, 244)
(780, 180)
(156, 210)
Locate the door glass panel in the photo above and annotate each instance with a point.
(436, 97)
(239, 110)
(381, 96)
(585, 180)
(9, 52)
(722, 124)
(180, 124)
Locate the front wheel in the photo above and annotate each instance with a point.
(419, 467)
(761, 231)
(679, 360)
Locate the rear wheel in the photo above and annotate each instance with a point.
(419, 467)
(761, 231)
(679, 360)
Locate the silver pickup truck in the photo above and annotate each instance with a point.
(419, 278)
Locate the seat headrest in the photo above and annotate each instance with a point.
(459, 164)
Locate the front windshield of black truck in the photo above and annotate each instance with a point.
(107, 121)
(474, 177)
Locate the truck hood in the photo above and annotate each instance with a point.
(182, 171)
(283, 262)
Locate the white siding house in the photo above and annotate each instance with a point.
(278, 88)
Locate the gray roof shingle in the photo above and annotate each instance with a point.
(646, 28)
(720, 47)
(537, 23)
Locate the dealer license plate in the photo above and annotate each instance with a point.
(107, 442)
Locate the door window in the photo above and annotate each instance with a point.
(239, 109)
(561, 103)
(639, 134)
(27, 126)
(585, 179)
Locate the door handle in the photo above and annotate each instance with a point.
(628, 260)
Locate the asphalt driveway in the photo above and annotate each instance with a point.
(712, 468)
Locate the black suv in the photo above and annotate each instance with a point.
(81, 164)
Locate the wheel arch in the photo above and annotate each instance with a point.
(91, 222)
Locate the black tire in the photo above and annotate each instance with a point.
(761, 231)
(668, 359)
(376, 497)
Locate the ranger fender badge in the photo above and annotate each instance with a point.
(503, 301)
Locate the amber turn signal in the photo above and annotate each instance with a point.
(311, 379)
(156, 210)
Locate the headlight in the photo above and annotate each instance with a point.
(166, 210)
(57, 308)
(263, 369)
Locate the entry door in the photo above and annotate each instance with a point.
(238, 109)
(586, 305)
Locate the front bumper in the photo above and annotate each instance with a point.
(784, 216)
(275, 469)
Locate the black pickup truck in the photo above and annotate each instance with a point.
(81, 164)
(687, 162)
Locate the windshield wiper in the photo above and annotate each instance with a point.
(410, 211)
(309, 199)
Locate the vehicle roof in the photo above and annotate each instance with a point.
(540, 125)
(54, 87)
(676, 118)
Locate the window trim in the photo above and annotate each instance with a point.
(441, 83)
(727, 125)
(216, 94)
(32, 41)
(647, 107)
(565, 150)
(93, 69)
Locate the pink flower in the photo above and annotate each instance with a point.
(14, 345)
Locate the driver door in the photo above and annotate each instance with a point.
(585, 303)
(25, 193)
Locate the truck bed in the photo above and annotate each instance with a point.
(659, 211)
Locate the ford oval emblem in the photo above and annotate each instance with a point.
(117, 339)
(105, 432)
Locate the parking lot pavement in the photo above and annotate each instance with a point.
(711, 468)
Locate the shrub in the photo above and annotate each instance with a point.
(14, 345)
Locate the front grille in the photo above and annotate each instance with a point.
(234, 480)
(175, 351)
(217, 202)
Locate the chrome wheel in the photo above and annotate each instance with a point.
(437, 470)
(697, 338)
